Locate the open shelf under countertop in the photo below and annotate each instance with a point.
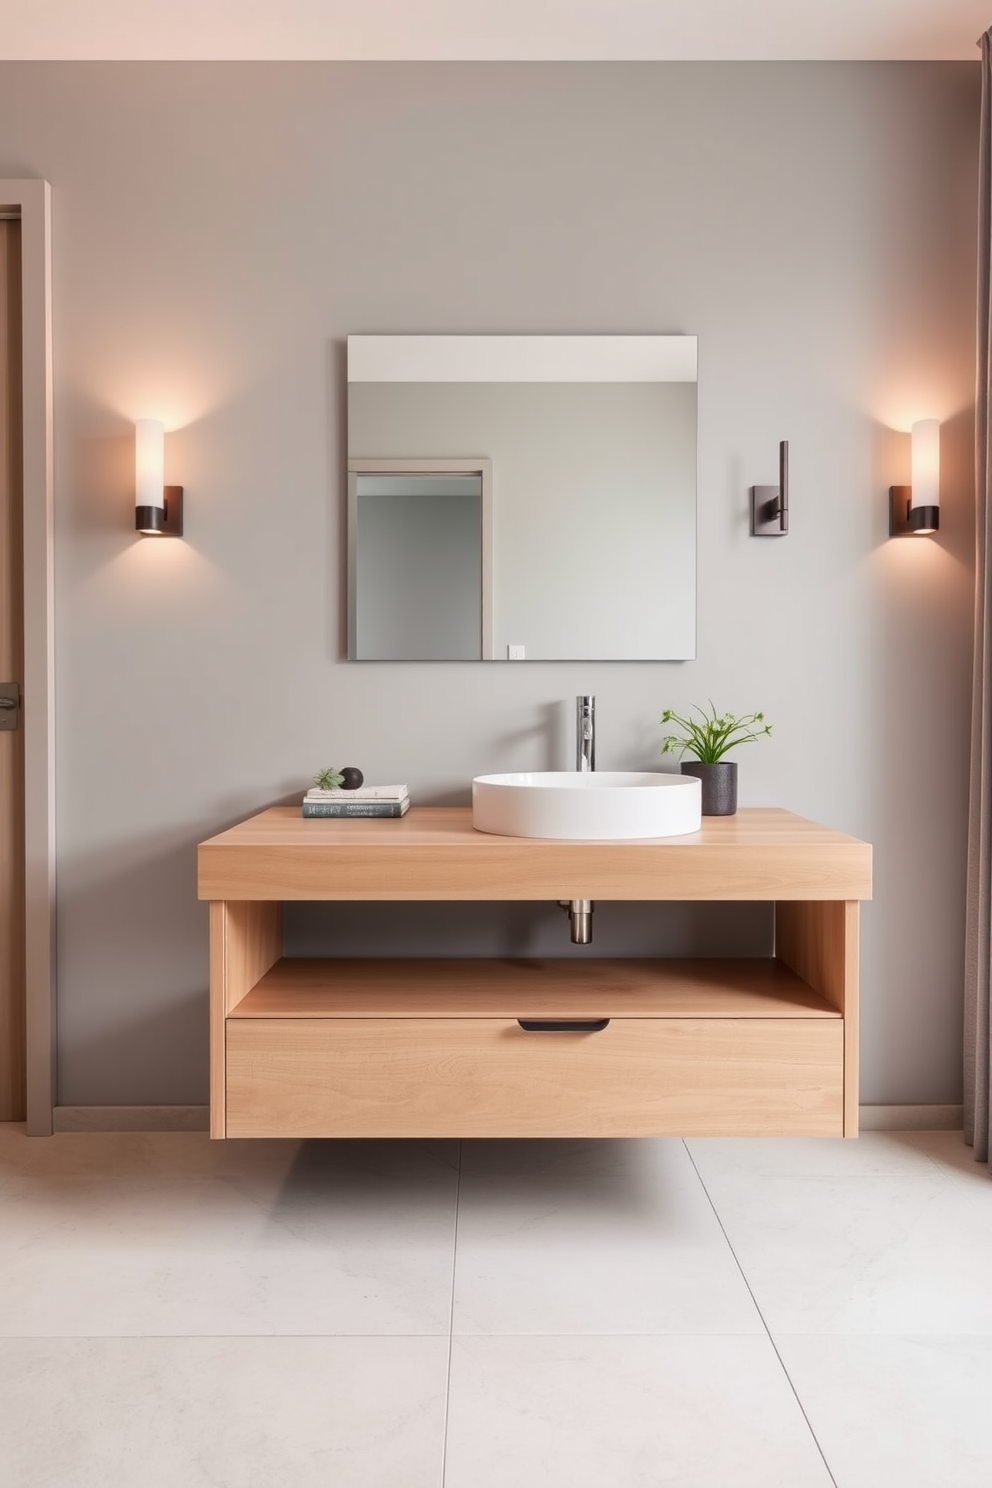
(597, 987)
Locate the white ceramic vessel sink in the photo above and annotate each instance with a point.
(603, 805)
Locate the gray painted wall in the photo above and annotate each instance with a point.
(218, 231)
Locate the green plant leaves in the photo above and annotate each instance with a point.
(330, 779)
(710, 735)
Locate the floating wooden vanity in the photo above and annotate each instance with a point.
(482, 1048)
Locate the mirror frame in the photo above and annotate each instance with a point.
(514, 359)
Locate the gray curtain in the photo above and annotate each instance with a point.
(978, 958)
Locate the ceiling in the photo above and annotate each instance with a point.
(497, 30)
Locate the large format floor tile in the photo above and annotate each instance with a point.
(222, 1413)
(349, 1238)
(898, 1412)
(872, 1155)
(591, 1237)
(951, 1153)
(589, 1412)
(604, 1331)
(843, 1248)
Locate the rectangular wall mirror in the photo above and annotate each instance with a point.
(526, 498)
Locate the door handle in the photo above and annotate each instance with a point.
(563, 1025)
(10, 705)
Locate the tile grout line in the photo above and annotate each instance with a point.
(928, 1155)
(275, 1338)
(768, 1332)
(451, 1322)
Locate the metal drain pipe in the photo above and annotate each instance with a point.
(579, 912)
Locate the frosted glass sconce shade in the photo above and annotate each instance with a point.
(924, 504)
(914, 511)
(158, 508)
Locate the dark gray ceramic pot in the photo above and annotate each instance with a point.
(719, 785)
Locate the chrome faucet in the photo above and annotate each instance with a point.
(585, 733)
(579, 911)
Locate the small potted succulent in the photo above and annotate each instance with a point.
(710, 735)
(347, 778)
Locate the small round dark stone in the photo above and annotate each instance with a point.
(351, 778)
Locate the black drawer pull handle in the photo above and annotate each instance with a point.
(563, 1025)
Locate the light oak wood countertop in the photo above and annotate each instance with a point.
(434, 853)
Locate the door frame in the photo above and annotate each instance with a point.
(30, 200)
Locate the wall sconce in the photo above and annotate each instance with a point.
(770, 504)
(158, 508)
(914, 511)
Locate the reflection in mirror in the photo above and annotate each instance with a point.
(418, 567)
(592, 447)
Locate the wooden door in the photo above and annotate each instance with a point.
(12, 976)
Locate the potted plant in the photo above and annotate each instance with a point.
(709, 736)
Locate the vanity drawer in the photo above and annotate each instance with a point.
(488, 1077)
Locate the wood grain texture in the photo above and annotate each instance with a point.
(245, 940)
(254, 944)
(488, 1078)
(601, 987)
(852, 1017)
(820, 942)
(435, 853)
(13, 1002)
(434, 1048)
(218, 1020)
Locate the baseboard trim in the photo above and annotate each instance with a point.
(911, 1118)
(131, 1118)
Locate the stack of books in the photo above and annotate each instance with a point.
(367, 800)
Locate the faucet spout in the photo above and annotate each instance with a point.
(585, 733)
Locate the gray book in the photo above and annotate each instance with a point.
(356, 808)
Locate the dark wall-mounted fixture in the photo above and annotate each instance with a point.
(158, 508)
(914, 511)
(770, 504)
